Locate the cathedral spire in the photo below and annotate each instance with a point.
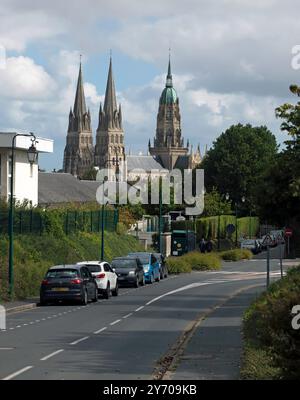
(79, 104)
(110, 102)
(169, 82)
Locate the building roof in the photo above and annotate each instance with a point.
(56, 188)
(182, 162)
(79, 104)
(146, 163)
(24, 142)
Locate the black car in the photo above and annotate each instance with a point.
(68, 282)
(162, 263)
(129, 270)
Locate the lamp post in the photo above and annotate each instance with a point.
(219, 217)
(103, 205)
(32, 157)
(236, 220)
(160, 215)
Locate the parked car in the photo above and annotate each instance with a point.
(68, 282)
(251, 244)
(105, 277)
(162, 265)
(129, 271)
(150, 265)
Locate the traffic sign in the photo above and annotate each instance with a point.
(288, 232)
(268, 241)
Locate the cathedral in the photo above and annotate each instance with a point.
(169, 149)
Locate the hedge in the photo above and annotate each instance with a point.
(236, 255)
(270, 340)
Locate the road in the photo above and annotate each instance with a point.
(119, 338)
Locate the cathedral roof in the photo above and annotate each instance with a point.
(142, 162)
(110, 102)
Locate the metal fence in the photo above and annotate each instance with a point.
(38, 221)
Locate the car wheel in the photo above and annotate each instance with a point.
(115, 292)
(166, 273)
(42, 302)
(143, 281)
(137, 282)
(95, 299)
(158, 278)
(84, 299)
(107, 292)
(161, 274)
(151, 279)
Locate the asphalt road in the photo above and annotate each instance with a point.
(120, 338)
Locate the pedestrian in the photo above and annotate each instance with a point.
(209, 246)
(202, 245)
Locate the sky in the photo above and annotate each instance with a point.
(231, 63)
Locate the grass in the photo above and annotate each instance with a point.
(33, 255)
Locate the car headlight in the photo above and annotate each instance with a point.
(131, 272)
(146, 269)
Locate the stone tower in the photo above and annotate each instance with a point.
(79, 152)
(109, 149)
(168, 143)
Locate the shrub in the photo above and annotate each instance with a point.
(200, 262)
(236, 255)
(267, 327)
(177, 265)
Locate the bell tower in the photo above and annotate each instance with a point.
(109, 149)
(79, 152)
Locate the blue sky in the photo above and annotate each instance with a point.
(231, 63)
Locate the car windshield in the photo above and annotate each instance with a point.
(62, 273)
(93, 268)
(123, 264)
(144, 258)
(158, 256)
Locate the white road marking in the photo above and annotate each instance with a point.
(79, 340)
(21, 371)
(115, 322)
(52, 355)
(6, 348)
(139, 309)
(100, 330)
(128, 315)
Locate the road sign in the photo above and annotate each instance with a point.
(288, 232)
(268, 241)
(230, 229)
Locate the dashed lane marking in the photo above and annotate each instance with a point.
(17, 373)
(79, 340)
(52, 355)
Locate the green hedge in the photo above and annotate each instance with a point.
(207, 227)
(272, 349)
(177, 265)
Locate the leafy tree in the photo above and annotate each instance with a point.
(214, 203)
(238, 159)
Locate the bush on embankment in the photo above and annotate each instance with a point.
(34, 254)
(272, 346)
(236, 255)
(193, 261)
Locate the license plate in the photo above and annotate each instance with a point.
(61, 289)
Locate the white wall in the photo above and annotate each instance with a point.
(25, 177)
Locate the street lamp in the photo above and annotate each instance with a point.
(219, 217)
(236, 220)
(32, 157)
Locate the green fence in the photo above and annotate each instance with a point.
(39, 221)
(208, 226)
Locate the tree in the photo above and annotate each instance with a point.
(282, 181)
(238, 159)
(214, 204)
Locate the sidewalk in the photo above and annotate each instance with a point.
(22, 305)
(214, 352)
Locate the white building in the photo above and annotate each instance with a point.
(25, 174)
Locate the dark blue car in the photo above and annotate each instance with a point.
(150, 264)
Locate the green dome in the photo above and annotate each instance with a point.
(168, 96)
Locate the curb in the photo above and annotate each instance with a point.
(23, 307)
